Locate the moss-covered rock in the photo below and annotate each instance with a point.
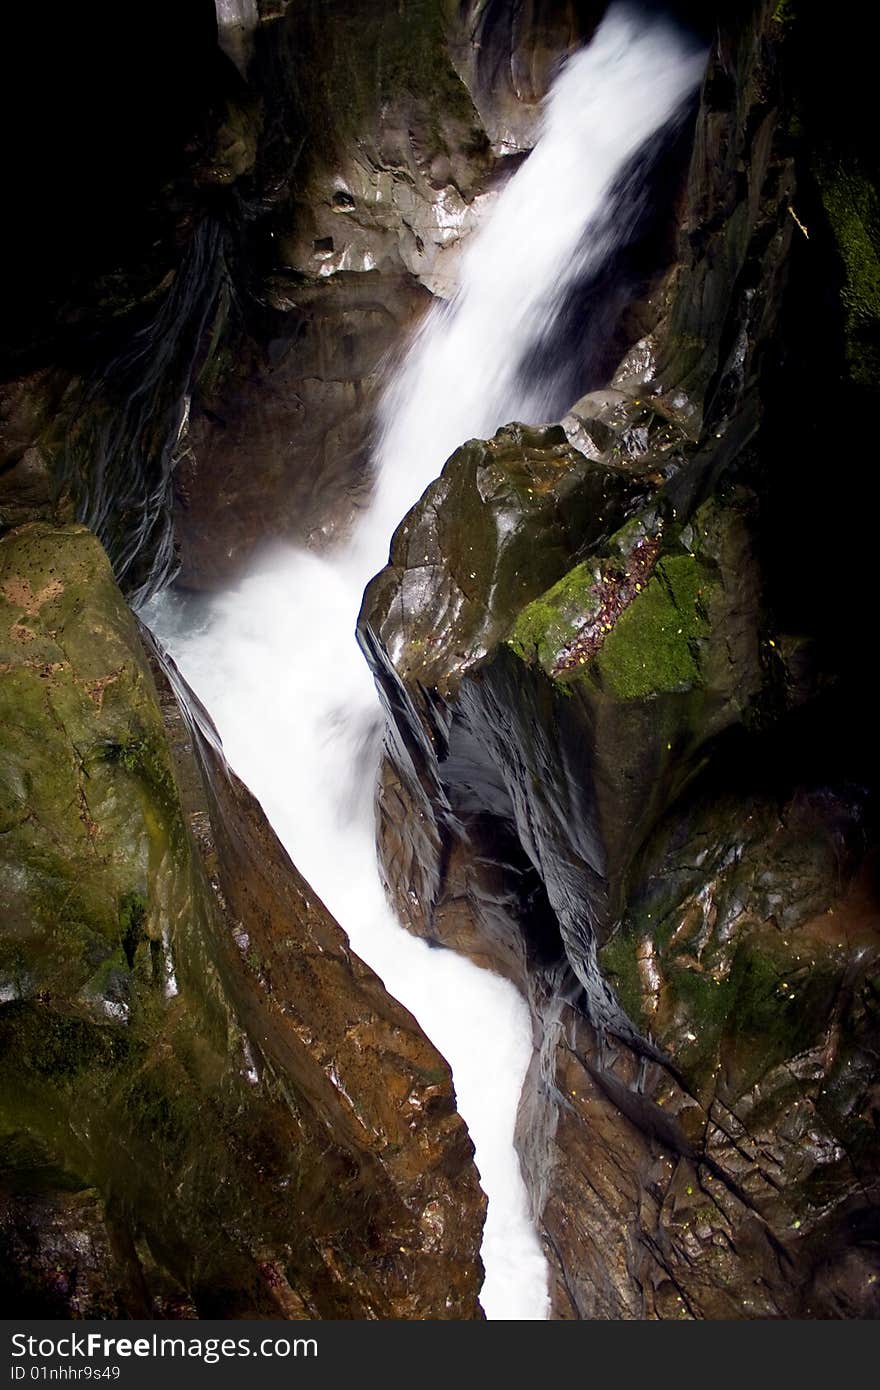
(95, 861)
(201, 1090)
(712, 953)
(750, 957)
(504, 519)
(638, 621)
(630, 666)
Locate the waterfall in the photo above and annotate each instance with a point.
(555, 223)
(275, 659)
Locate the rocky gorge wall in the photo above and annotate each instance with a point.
(635, 772)
(615, 773)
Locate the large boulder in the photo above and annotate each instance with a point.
(202, 1090)
(502, 522)
(634, 662)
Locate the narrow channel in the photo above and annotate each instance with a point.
(275, 660)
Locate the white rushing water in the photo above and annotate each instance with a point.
(275, 659)
(549, 229)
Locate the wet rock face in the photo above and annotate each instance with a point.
(741, 1199)
(507, 55)
(746, 1154)
(627, 791)
(584, 715)
(64, 1256)
(501, 522)
(350, 234)
(362, 1071)
(280, 445)
(396, 153)
(725, 954)
(649, 653)
(201, 1090)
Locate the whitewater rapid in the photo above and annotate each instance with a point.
(275, 660)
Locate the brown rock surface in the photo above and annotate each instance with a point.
(202, 1091)
(279, 448)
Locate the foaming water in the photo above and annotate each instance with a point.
(275, 660)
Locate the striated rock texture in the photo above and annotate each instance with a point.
(208, 1105)
(631, 767)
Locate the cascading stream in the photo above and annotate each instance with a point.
(275, 659)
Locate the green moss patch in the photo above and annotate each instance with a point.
(618, 962)
(547, 626)
(781, 1007)
(88, 800)
(629, 621)
(651, 648)
(564, 627)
